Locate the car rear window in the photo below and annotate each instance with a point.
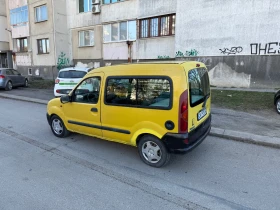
(199, 86)
(72, 74)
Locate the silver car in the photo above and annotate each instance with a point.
(10, 78)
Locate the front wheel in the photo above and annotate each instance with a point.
(153, 152)
(278, 105)
(58, 127)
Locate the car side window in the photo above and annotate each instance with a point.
(88, 91)
(140, 92)
(15, 72)
(9, 72)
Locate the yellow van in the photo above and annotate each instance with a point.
(161, 108)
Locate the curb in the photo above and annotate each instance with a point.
(22, 98)
(249, 138)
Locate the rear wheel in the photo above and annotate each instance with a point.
(278, 105)
(153, 152)
(9, 86)
(58, 127)
(25, 83)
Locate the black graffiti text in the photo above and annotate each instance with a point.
(265, 49)
(231, 51)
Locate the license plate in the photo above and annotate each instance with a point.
(201, 114)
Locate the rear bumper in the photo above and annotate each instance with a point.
(2, 83)
(183, 143)
(61, 92)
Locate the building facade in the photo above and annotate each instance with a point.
(40, 39)
(236, 40)
(5, 52)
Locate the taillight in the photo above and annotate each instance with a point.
(2, 76)
(58, 91)
(56, 81)
(183, 112)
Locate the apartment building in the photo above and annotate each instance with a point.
(40, 39)
(5, 52)
(121, 31)
(85, 29)
(237, 40)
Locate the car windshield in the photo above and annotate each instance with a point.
(0, 72)
(199, 86)
(72, 74)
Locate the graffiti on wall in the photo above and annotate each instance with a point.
(231, 51)
(62, 61)
(263, 49)
(188, 53)
(163, 57)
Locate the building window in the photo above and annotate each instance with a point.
(22, 45)
(85, 5)
(41, 13)
(19, 16)
(154, 93)
(157, 26)
(121, 31)
(43, 46)
(111, 1)
(29, 71)
(86, 38)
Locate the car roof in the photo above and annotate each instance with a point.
(161, 64)
(75, 68)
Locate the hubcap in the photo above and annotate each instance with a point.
(57, 126)
(26, 83)
(10, 86)
(278, 106)
(151, 152)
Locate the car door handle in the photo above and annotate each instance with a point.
(94, 109)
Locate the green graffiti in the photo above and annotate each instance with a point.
(192, 52)
(62, 61)
(163, 57)
(188, 53)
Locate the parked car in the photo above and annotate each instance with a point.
(161, 108)
(277, 101)
(68, 78)
(10, 78)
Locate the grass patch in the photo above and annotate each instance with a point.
(41, 84)
(243, 100)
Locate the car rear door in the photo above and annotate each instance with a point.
(199, 96)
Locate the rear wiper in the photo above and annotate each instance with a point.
(205, 100)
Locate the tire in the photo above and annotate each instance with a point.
(153, 151)
(277, 105)
(58, 127)
(9, 86)
(25, 83)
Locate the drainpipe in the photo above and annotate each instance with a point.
(54, 40)
(30, 40)
(129, 46)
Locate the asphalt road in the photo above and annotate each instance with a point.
(40, 171)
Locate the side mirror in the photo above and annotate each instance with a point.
(19, 74)
(65, 99)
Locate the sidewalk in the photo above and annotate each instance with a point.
(261, 129)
